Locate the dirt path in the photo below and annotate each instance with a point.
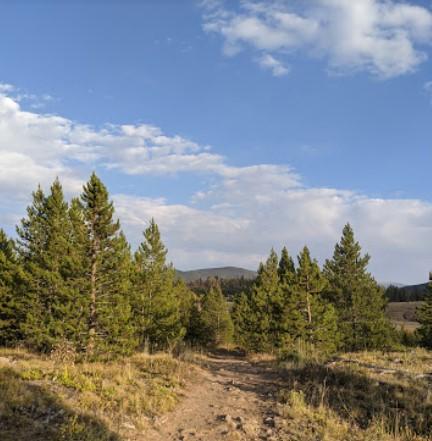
(231, 399)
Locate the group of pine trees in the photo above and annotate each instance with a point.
(71, 277)
(338, 307)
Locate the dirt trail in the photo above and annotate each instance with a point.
(231, 399)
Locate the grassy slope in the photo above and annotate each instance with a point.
(45, 399)
(403, 314)
(366, 396)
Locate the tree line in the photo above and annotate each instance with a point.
(70, 276)
(338, 307)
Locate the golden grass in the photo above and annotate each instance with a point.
(48, 399)
(368, 396)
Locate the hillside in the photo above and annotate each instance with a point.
(227, 272)
(217, 396)
(403, 314)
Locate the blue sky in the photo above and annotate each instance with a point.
(237, 125)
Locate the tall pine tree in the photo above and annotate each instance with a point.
(358, 299)
(318, 326)
(156, 303)
(45, 238)
(254, 312)
(110, 328)
(215, 319)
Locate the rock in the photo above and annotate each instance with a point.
(225, 417)
(269, 421)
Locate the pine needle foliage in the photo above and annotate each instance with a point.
(357, 297)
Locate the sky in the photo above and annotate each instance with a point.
(238, 125)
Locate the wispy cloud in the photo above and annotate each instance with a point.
(267, 61)
(383, 37)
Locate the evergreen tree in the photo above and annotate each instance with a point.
(285, 314)
(358, 299)
(12, 300)
(318, 327)
(260, 330)
(286, 269)
(32, 232)
(187, 299)
(110, 329)
(156, 304)
(216, 324)
(241, 316)
(54, 307)
(424, 316)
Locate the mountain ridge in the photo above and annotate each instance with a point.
(224, 272)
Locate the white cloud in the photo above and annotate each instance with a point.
(234, 220)
(267, 61)
(383, 37)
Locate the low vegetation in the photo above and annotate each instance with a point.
(365, 396)
(52, 399)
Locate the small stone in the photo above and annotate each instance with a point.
(269, 421)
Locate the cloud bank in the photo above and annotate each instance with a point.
(235, 220)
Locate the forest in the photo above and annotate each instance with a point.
(70, 277)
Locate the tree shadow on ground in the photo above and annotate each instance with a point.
(30, 412)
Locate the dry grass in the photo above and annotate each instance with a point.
(47, 399)
(360, 397)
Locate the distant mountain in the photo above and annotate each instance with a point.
(421, 288)
(387, 284)
(226, 272)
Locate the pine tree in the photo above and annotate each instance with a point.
(187, 299)
(110, 329)
(216, 324)
(12, 294)
(319, 325)
(424, 316)
(260, 330)
(156, 304)
(241, 316)
(358, 299)
(286, 269)
(285, 314)
(45, 244)
(32, 232)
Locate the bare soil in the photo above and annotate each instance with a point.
(231, 398)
